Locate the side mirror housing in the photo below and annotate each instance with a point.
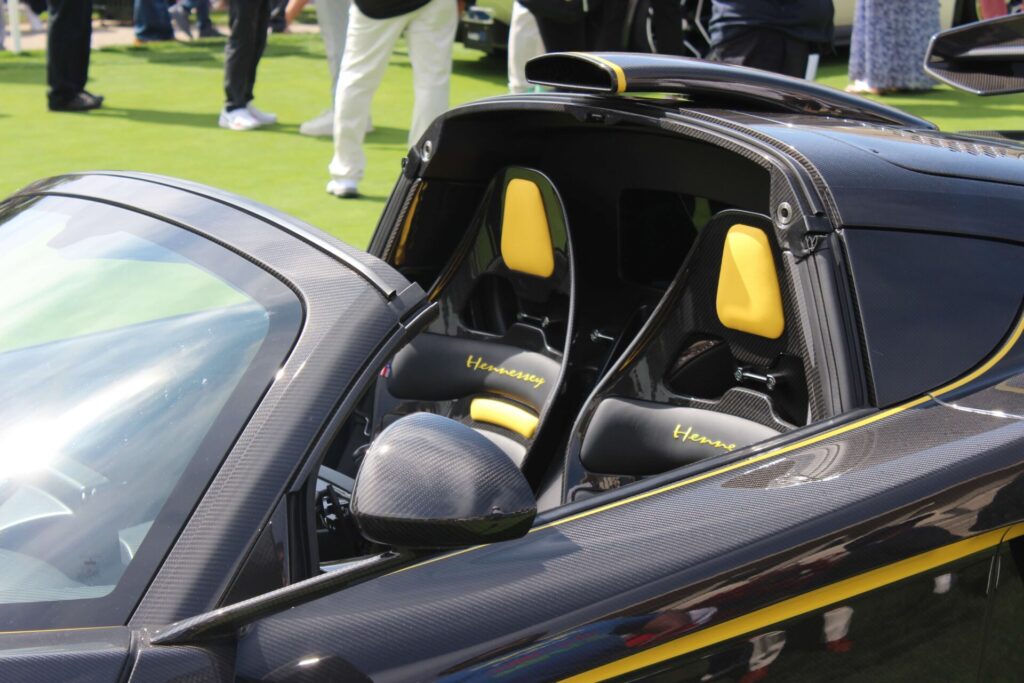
(984, 58)
(430, 482)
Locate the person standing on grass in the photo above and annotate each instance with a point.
(67, 55)
(888, 45)
(249, 22)
(181, 12)
(373, 29)
(152, 22)
(771, 35)
(332, 16)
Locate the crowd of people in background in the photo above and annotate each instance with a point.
(886, 54)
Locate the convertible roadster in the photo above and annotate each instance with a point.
(722, 385)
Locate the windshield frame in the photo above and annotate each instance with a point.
(286, 318)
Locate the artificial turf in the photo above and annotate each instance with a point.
(161, 117)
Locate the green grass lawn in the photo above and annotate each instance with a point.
(161, 117)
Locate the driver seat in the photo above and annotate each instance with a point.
(495, 356)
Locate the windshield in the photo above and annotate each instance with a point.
(124, 343)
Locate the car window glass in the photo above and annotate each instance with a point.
(122, 343)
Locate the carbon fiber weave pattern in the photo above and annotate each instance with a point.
(427, 470)
(504, 598)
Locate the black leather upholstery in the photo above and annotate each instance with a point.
(502, 332)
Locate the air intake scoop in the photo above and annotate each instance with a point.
(625, 72)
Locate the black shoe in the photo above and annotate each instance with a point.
(210, 32)
(98, 99)
(83, 101)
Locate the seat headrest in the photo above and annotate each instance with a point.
(749, 299)
(525, 233)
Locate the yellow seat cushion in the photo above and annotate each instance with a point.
(748, 297)
(525, 234)
(511, 417)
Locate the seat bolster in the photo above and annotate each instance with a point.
(435, 367)
(639, 438)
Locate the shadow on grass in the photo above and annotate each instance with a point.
(180, 118)
(205, 52)
(385, 135)
(22, 73)
(487, 69)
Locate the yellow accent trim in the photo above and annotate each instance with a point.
(802, 604)
(525, 234)
(478, 364)
(406, 226)
(748, 298)
(620, 75)
(1016, 531)
(512, 418)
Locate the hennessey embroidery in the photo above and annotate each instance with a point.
(479, 364)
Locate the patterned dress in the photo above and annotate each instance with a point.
(889, 41)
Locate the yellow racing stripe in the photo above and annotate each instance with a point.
(808, 602)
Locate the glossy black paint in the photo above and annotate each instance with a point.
(668, 557)
(599, 72)
(904, 485)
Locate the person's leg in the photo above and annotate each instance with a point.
(332, 15)
(67, 48)
(668, 27)
(240, 51)
(794, 62)
(153, 20)
(757, 48)
(368, 46)
(202, 8)
(562, 37)
(262, 9)
(431, 36)
(605, 27)
(524, 43)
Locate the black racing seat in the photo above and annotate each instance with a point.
(495, 356)
(721, 364)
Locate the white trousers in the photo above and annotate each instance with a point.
(524, 43)
(430, 34)
(332, 15)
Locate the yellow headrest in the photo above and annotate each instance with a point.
(748, 285)
(525, 235)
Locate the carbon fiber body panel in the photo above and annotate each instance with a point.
(893, 488)
(71, 656)
(701, 547)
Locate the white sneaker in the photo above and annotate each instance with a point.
(321, 126)
(343, 188)
(265, 118)
(238, 119)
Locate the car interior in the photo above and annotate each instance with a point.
(611, 306)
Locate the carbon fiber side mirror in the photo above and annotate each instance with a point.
(430, 482)
(984, 58)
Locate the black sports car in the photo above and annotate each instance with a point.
(726, 386)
